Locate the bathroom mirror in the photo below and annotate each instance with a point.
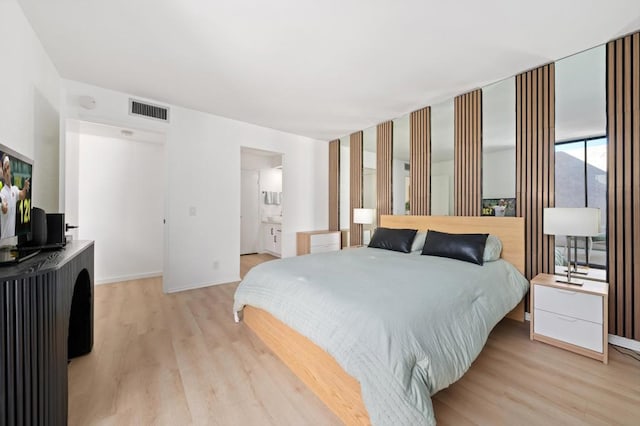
(581, 152)
(442, 145)
(369, 194)
(499, 148)
(400, 168)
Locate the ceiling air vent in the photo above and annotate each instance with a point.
(148, 110)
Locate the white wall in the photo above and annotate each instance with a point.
(121, 205)
(203, 171)
(29, 103)
(271, 180)
(251, 161)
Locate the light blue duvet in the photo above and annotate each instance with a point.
(404, 325)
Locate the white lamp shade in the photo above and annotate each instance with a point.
(363, 216)
(573, 222)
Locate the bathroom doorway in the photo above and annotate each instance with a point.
(261, 199)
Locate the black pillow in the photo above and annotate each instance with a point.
(393, 239)
(466, 247)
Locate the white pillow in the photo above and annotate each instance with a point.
(418, 241)
(492, 249)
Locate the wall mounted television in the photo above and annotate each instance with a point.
(15, 199)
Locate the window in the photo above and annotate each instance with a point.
(581, 181)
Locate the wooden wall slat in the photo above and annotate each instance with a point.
(468, 154)
(535, 163)
(384, 169)
(355, 183)
(420, 162)
(611, 192)
(623, 207)
(334, 185)
(456, 153)
(619, 212)
(635, 143)
(548, 129)
(628, 214)
(519, 148)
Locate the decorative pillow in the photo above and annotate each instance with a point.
(393, 239)
(465, 247)
(492, 249)
(418, 241)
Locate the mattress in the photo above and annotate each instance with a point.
(404, 325)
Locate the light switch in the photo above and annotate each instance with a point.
(192, 211)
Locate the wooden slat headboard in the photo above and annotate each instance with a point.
(510, 230)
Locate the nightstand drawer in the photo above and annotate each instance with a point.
(571, 330)
(326, 239)
(569, 303)
(324, 248)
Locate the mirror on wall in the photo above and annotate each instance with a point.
(581, 153)
(499, 148)
(400, 167)
(345, 186)
(369, 191)
(442, 146)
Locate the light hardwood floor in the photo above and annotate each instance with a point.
(180, 359)
(248, 261)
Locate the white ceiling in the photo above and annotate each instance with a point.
(317, 68)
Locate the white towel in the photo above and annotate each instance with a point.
(272, 197)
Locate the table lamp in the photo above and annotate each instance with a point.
(573, 223)
(363, 217)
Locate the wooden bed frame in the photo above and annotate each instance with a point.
(319, 370)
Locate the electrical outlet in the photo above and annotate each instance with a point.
(216, 264)
(192, 211)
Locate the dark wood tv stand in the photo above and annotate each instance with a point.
(46, 318)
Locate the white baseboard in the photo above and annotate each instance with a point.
(131, 277)
(204, 284)
(623, 342)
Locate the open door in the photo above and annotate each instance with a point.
(250, 212)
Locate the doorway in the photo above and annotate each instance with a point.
(261, 199)
(114, 194)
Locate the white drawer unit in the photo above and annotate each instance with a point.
(573, 303)
(317, 242)
(324, 242)
(570, 317)
(272, 238)
(568, 329)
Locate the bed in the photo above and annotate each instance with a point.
(404, 340)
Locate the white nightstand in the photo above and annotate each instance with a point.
(571, 317)
(317, 242)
